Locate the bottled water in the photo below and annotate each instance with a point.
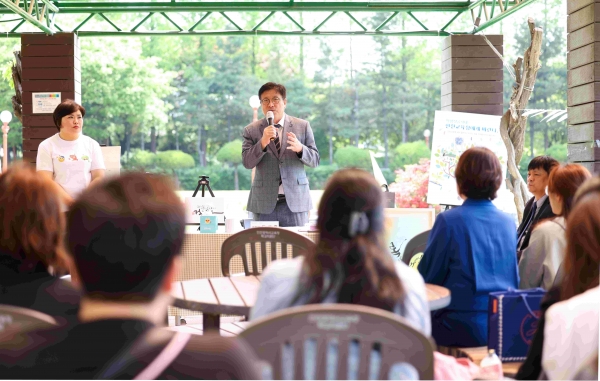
(491, 367)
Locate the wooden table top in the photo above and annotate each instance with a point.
(236, 295)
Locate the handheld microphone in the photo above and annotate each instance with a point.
(270, 118)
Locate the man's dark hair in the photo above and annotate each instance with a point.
(123, 234)
(478, 173)
(544, 162)
(270, 86)
(67, 107)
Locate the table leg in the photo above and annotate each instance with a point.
(211, 322)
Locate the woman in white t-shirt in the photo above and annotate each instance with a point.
(70, 158)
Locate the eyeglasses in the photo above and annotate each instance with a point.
(266, 101)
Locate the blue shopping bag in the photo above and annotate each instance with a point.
(513, 318)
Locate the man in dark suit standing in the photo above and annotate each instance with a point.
(538, 207)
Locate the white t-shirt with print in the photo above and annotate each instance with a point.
(71, 162)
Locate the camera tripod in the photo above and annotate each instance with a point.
(204, 183)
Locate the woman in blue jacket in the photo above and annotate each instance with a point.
(471, 251)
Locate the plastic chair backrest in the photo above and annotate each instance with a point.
(339, 341)
(416, 245)
(259, 246)
(19, 319)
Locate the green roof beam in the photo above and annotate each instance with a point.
(231, 21)
(294, 21)
(417, 20)
(324, 21)
(451, 21)
(199, 21)
(503, 15)
(250, 33)
(355, 20)
(141, 22)
(493, 7)
(83, 22)
(269, 6)
(171, 21)
(17, 26)
(386, 21)
(110, 22)
(263, 21)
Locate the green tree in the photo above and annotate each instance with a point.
(170, 160)
(122, 91)
(353, 157)
(559, 152)
(410, 153)
(231, 153)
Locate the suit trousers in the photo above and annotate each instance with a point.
(284, 215)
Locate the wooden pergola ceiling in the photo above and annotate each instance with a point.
(104, 18)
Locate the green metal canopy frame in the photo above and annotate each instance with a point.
(42, 14)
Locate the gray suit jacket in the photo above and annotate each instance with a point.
(269, 166)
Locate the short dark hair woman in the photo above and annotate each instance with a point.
(471, 251)
(70, 158)
(31, 243)
(351, 263)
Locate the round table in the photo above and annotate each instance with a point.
(236, 295)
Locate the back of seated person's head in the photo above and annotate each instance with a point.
(352, 245)
(123, 235)
(564, 180)
(478, 174)
(31, 223)
(544, 162)
(582, 258)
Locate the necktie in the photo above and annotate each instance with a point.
(277, 141)
(278, 145)
(529, 222)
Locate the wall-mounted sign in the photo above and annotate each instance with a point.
(45, 103)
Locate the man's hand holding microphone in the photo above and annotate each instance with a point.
(270, 132)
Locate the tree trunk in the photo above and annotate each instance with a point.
(236, 182)
(199, 146)
(386, 162)
(14, 149)
(176, 137)
(127, 139)
(513, 123)
(153, 139)
(355, 108)
(142, 141)
(330, 140)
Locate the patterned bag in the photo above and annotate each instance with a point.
(513, 317)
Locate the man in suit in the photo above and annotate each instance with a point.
(280, 190)
(125, 236)
(538, 207)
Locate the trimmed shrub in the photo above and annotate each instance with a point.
(174, 160)
(352, 157)
(409, 153)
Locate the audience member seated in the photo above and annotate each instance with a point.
(541, 260)
(471, 251)
(571, 334)
(581, 264)
(538, 207)
(351, 262)
(31, 243)
(125, 236)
